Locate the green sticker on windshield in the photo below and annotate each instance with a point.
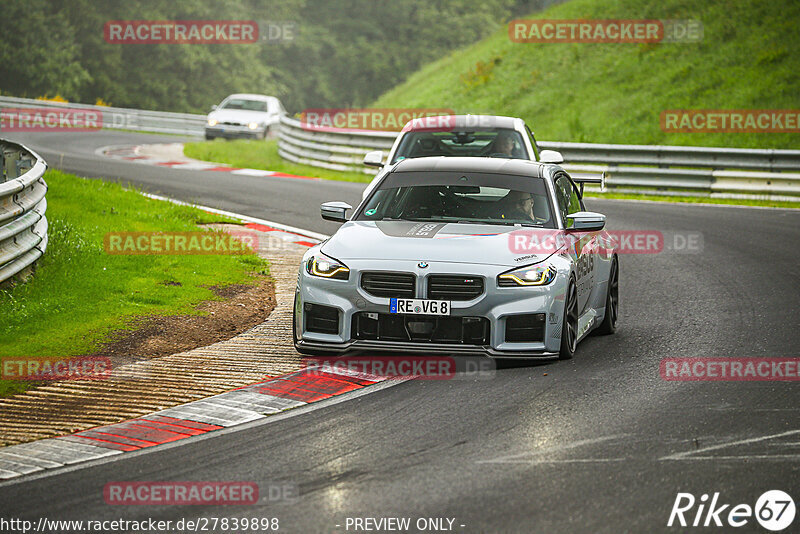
(371, 212)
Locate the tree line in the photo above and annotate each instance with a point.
(341, 52)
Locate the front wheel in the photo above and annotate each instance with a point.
(569, 330)
(609, 324)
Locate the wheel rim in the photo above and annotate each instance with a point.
(613, 293)
(572, 318)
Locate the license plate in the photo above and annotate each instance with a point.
(419, 306)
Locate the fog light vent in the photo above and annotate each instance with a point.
(527, 328)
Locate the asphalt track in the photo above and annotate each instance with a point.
(596, 444)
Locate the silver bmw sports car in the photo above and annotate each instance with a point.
(451, 255)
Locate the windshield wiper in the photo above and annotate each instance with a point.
(409, 219)
(466, 221)
(470, 221)
(500, 223)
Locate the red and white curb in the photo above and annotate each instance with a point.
(243, 405)
(272, 229)
(171, 155)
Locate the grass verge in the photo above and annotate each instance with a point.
(79, 294)
(615, 93)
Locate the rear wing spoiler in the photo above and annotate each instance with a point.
(581, 178)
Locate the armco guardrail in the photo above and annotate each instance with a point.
(341, 151)
(747, 173)
(23, 225)
(124, 118)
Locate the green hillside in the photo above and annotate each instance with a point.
(749, 58)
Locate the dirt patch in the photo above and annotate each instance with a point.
(242, 307)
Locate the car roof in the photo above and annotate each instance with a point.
(251, 96)
(458, 122)
(470, 164)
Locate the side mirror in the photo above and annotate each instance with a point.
(335, 211)
(585, 221)
(550, 156)
(213, 107)
(374, 159)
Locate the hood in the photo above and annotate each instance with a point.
(241, 116)
(439, 242)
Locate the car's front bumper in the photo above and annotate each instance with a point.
(234, 132)
(496, 305)
(363, 345)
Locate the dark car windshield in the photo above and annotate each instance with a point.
(248, 105)
(495, 142)
(460, 197)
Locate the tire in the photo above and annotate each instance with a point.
(569, 328)
(609, 324)
(210, 137)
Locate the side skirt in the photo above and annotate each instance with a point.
(586, 322)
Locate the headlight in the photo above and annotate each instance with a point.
(212, 122)
(253, 125)
(326, 267)
(533, 275)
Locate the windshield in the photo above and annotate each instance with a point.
(247, 105)
(448, 197)
(497, 142)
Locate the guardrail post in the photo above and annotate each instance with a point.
(10, 165)
(23, 166)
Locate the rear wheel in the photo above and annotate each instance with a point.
(609, 324)
(569, 330)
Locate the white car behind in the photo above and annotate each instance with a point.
(461, 135)
(244, 116)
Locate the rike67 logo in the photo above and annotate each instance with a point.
(774, 510)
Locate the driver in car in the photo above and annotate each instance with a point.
(503, 145)
(518, 206)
